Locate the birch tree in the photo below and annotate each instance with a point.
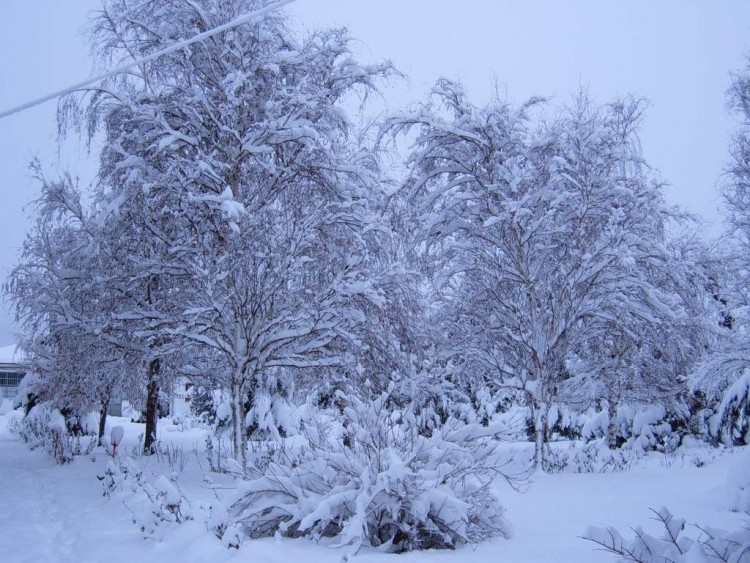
(723, 374)
(242, 151)
(62, 308)
(542, 231)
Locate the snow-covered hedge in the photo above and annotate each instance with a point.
(640, 428)
(370, 478)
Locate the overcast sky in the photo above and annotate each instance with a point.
(676, 53)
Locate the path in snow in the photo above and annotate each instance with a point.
(57, 514)
(30, 514)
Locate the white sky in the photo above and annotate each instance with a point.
(676, 53)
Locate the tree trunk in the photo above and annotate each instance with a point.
(102, 419)
(152, 406)
(612, 425)
(238, 423)
(540, 430)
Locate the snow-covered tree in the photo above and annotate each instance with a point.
(252, 197)
(62, 307)
(646, 358)
(543, 233)
(721, 375)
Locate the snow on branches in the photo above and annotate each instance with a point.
(368, 477)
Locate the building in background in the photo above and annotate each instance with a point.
(12, 371)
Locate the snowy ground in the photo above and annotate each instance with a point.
(51, 513)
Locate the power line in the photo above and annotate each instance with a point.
(177, 46)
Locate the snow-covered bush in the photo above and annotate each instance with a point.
(650, 429)
(374, 480)
(479, 404)
(588, 457)
(271, 415)
(596, 456)
(151, 504)
(566, 424)
(216, 448)
(702, 407)
(45, 427)
(485, 404)
(121, 474)
(204, 400)
(27, 392)
(164, 503)
(674, 546)
(219, 523)
(36, 427)
(640, 428)
(731, 424)
(678, 542)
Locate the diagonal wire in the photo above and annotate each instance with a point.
(177, 46)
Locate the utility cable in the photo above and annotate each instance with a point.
(177, 46)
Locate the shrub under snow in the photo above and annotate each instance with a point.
(46, 428)
(588, 457)
(640, 428)
(674, 546)
(731, 424)
(377, 481)
(152, 504)
(705, 545)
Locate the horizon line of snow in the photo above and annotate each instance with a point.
(179, 45)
